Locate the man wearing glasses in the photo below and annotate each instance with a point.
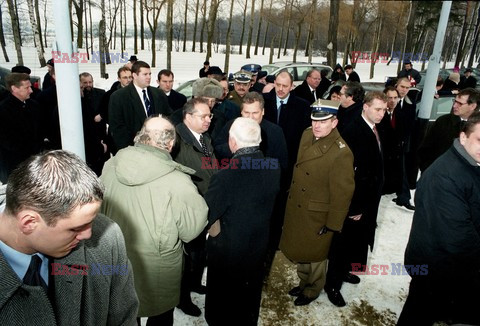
(193, 150)
(446, 128)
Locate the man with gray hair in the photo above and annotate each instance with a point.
(157, 207)
(240, 200)
(51, 220)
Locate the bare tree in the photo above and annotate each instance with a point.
(259, 29)
(86, 29)
(250, 29)
(409, 33)
(195, 26)
(2, 38)
(31, 13)
(16, 31)
(91, 24)
(142, 26)
(266, 29)
(243, 27)
(282, 31)
(153, 8)
(204, 23)
(39, 24)
(135, 30)
(229, 38)
(185, 24)
(169, 30)
(102, 40)
(212, 17)
(332, 34)
(79, 7)
(311, 29)
(289, 22)
(18, 22)
(475, 38)
(376, 39)
(459, 55)
(45, 24)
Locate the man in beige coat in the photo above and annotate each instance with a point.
(318, 201)
(157, 206)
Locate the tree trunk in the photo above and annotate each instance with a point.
(185, 24)
(475, 38)
(332, 34)
(135, 30)
(102, 45)
(282, 30)
(266, 28)
(311, 29)
(250, 29)
(297, 41)
(226, 66)
(212, 17)
(376, 41)
(39, 25)
(78, 5)
(169, 33)
(31, 13)
(243, 27)
(18, 23)
(195, 26)
(2, 38)
(204, 22)
(142, 27)
(272, 50)
(408, 45)
(16, 31)
(289, 23)
(347, 48)
(400, 16)
(45, 25)
(260, 18)
(458, 57)
(153, 24)
(86, 29)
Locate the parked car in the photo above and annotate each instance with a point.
(186, 88)
(298, 70)
(35, 80)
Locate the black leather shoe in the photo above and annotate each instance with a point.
(407, 206)
(351, 278)
(202, 289)
(296, 291)
(335, 297)
(190, 309)
(303, 300)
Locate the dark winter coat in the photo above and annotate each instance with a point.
(445, 232)
(319, 196)
(303, 91)
(353, 77)
(176, 100)
(242, 198)
(347, 115)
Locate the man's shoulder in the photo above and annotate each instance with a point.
(98, 91)
(104, 231)
(177, 94)
(297, 101)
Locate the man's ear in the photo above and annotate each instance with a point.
(28, 220)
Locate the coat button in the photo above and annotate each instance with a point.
(289, 197)
(293, 182)
(303, 189)
(299, 206)
(307, 173)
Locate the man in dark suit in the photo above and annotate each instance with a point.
(290, 112)
(349, 249)
(351, 102)
(131, 105)
(352, 75)
(60, 261)
(441, 134)
(194, 150)
(240, 200)
(309, 90)
(468, 81)
(165, 83)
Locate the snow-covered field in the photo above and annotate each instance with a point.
(377, 300)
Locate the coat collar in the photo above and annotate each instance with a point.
(188, 137)
(319, 147)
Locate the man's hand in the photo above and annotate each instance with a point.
(356, 217)
(98, 118)
(214, 229)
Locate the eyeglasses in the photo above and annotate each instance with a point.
(460, 103)
(203, 116)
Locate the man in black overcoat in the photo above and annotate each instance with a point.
(350, 247)
(240, 200)
(131, 105)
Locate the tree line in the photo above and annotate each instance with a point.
(251, 27)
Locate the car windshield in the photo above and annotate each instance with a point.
(270, 68)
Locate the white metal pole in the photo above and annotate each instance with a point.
(434, 63)
(67, 81)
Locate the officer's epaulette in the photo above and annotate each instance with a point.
(341, 144)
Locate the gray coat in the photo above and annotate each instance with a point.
(95, 299)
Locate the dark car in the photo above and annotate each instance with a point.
(35, 80)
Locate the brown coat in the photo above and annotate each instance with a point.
(320, 194)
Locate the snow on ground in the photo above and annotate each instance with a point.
(377, 300)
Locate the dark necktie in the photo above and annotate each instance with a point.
(33, 277)
(462, 124)
(147, 103)
(378, 138)
(279, 109)
(204, 147)
(392, 119)
(314, 95)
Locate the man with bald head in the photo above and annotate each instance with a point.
(151, 195)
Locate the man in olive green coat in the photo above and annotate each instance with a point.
(157, 206)
(318, 201)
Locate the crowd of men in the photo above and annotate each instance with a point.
(222, 180)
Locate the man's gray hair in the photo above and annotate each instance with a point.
(156, 137)
(52, 184)
(246, 132)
